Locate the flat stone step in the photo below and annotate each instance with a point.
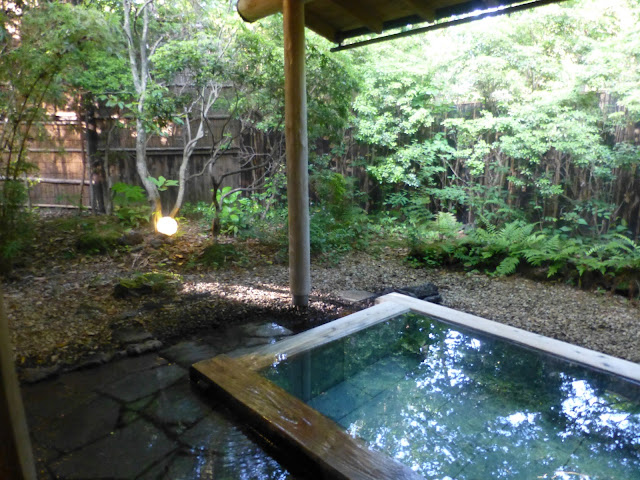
(355, 296)
(138, 385)
(189, 352)
(125, 454)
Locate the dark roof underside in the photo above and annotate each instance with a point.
(338, 20)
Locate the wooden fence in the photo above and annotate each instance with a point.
(69, 163)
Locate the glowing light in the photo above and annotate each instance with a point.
(167, 225)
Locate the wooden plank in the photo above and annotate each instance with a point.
(294, 425)
(322, 28)
(583, 356)
(16, 458)
(56, 181)
(422, 9)
(267, 355)
(363, 12)
(55, 205)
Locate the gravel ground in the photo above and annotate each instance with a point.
(61, 314)
(599, 321)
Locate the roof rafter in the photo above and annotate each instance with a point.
(429, 14)
(361, 11)
(252, 10)
(321, 27)
(339, 20)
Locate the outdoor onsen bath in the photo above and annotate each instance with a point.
(409, 389)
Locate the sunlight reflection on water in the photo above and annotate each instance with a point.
(455, 404)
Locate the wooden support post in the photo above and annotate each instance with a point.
(16, 457)
(297, 151)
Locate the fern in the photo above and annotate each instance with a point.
(417, 212)
(507, 266)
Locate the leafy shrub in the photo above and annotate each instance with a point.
(130, 204)
(195, 211)
(336, 236)
(16, 223)
(611, 261)
(435, 242)
(236, 212)
(92, 234)
(332, 191)
(162, 183)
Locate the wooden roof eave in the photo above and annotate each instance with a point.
(338, 20)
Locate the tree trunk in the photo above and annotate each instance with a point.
(143, 171)
(216, 227)
(139, 65)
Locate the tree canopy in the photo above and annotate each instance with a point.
(529, 118)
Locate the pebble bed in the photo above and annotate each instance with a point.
(55, 322)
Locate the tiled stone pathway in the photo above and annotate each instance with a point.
(140, 418)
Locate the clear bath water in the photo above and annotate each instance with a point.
(454, 404)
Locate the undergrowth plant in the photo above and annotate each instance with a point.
(16, 223)
(130, 204)
(154, 282)
(236, 213)
(610, 261)
(219, 255)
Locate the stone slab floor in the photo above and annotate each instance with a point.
(140, 418)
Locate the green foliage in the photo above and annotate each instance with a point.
(435, 242)
(338, 224)
(162, 183)
(97, 243)
(336, 236)
(37, 72)
(611, 261)
(93, 234)
(130, 204)
(16, 223)
(236, 213)
(259, 68)
(531, 136)
(220, 255)
(154, 282)
(332, 190)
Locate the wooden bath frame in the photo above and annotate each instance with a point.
(288, 421)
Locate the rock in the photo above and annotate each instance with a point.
(124, 319)
(37, 374)
(141, 384)
(266, 330)
(93, 361)
(355, 296)
(187, 353)
(123, 291)
(156, 242)
(126, 336)
(88, 309)
(125, 454)
(177, 405)
(255, 341)
(131, 238)
(427, 292)
(82, 426)
(146, 347)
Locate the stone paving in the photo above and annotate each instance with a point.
(140, 418)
